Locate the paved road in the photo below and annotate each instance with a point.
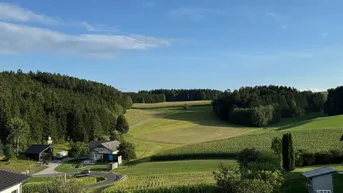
(110, 179)
(51, 168)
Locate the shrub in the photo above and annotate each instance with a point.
(78, 149)
(248, 155)
(253, 186)
(288, 154)
(323, 157)
(299, 158)
(127, 150)
(122, 124)
(227, 181)
(308, 158)
(337, 156)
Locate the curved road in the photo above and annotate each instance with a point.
(50, 172)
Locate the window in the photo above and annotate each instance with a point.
(14, 191)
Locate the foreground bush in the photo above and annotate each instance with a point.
(177, 189)
(54, 186)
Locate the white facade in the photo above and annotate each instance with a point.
(14, 189)
(97, 153)
(323, 182)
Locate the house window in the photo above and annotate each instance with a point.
(14, 191)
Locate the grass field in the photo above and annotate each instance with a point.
(21, 165)
(61, 147)
(165, 174)
(170, 104)
(168, 128)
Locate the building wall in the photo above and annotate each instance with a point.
(13, 188)
(323, 183)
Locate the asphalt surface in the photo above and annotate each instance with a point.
(110, 179)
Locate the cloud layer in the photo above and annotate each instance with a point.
(24, 38)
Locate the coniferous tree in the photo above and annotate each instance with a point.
(122, 125)
(288, 154)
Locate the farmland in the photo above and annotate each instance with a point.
(176, 134)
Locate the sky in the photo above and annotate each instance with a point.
(149, 44)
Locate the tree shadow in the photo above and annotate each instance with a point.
(293, 125)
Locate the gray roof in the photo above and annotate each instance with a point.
(9, 179)
(36, 149)
(319, 172)
(111, 145)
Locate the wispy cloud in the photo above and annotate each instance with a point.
(12, 12)
(98, 28)
(16, 38)
(193, 13)
(324, 34)
(17, 35)
(279, 19)
(149, 4)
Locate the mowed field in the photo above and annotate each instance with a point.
(157, 130)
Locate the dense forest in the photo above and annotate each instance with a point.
(262, 105)
(184, 94)
(146, 98)
(59, 106)
(334, 103)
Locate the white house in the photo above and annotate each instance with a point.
(104, 151)
(11, 182)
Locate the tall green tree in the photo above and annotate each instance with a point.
(127, 151)
(19, 134)
(96, 129)
(288, 153)
(122, 125)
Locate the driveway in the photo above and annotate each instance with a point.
(50, 171)
(110, 179)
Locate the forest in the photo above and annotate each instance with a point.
(181, 94)
(146, 98)
(59, 106)
(262, 105)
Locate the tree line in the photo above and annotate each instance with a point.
(334, 102)
(34, 106)
(262, 105)
(146, 98)
(162, 95)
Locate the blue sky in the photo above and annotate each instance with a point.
(146, 44)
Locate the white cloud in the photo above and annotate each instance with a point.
(98, 28)
(149, 4)
(193, 13)
(324, 34)
(17, 35)
(16, 38)
(11, 12)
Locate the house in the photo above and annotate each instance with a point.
(104, 151)
(320, 180)
(40, 152)
(10, 182)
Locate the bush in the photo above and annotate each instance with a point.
(54, 186)
(78, 149)
(227, 181)
(122, 124)
(127, 151)
(288, 154)
(308, 158)
(253, 186)
(248, 155)
(299, 158)
(323, 158)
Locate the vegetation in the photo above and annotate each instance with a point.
(53, 186)
(18, 135)
(127, 151)
(146, 98)
(122, 125)
(78, 149)
(185, 94)
(262, 105)
(59, 106)
(288, 153)
(171, 104)
(22, 165)
(334, 103)
(69, 166)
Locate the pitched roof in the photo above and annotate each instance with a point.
(111, 145)
(319, 172)
(37, 149)
(9, 179)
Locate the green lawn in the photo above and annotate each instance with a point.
(162, 174)
(175, 127)
(67, 167)
(61, 147)
(21, 165)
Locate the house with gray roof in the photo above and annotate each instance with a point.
(104, 151)
(11, 182)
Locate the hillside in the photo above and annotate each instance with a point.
(58, 106)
